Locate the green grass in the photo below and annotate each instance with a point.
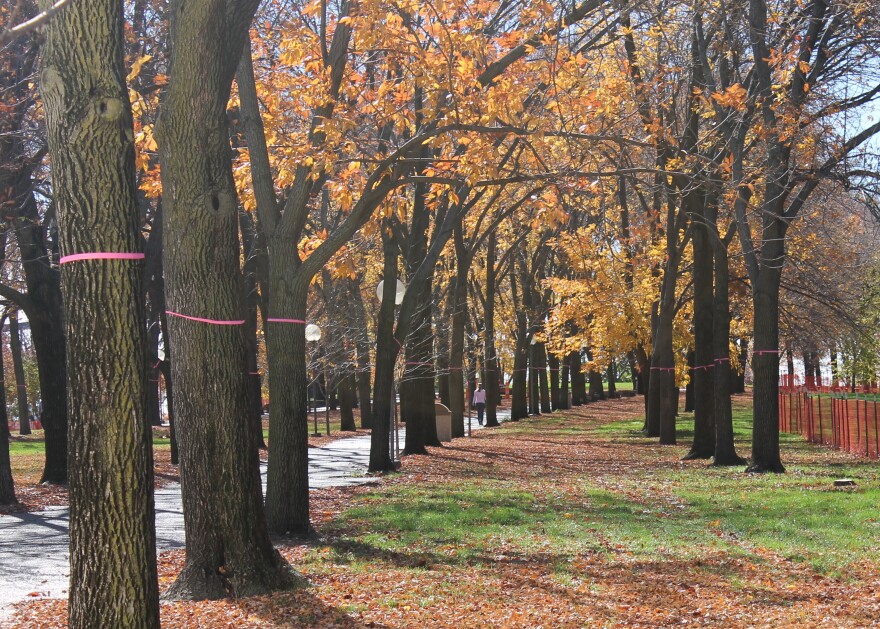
(27, 447)
(34, 444)
(677, 512)
(799, 514)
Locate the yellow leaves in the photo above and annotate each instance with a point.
(136, 67)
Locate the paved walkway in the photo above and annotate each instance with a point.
(34, 554)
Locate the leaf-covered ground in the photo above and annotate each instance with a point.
(574, 521)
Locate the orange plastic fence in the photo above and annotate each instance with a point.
(846, 421)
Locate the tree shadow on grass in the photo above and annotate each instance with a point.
(301, 608)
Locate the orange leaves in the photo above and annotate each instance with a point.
(733, 97)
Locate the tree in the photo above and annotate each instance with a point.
(7, 485)
(89, 123)
(22, 149)
(794, 69)
(21, 397)
(228, 546)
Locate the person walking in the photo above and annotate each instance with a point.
(480, 402)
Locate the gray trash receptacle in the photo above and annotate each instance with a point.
(444, 422)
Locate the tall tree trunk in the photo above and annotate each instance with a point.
(703, 446)
(725, 450)
(441, 331)
(543, 385)
(112, 521)
(165, 369)
(417, 387)
(456, 348)
(611, 375)
(153, 412)
(519, 405)
(563, 384)
(346, 402)
(7, 485)
(287, 486)
(20, 382)
(44, 312)
(661, 415)
(252, 261)
(227, 540)
(362, 347)
(689, 389)
(555, 399)
(578, 381)
(765, 366)
(493, 369)
(386, 357)
(596, 390)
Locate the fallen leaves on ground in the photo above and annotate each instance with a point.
(500, 584)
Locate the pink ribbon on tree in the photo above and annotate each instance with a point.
(208, 321)
(100, 255)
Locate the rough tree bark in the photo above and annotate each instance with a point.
(703, 446)
(113, 579)
(227, 541)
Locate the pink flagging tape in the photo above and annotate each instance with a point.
(279, 320)
(758, 352)
(722, 360)
(209, 321)
(706, 367)
(253, 373)
(662, 368)
(100, 255)
(158, 362)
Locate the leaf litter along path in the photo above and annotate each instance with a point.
(549, 522)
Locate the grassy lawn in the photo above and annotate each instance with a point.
(578, 513)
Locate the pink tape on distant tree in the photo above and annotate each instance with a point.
(758, 352)
(209, 321)
(100, 256)
(278, 320)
